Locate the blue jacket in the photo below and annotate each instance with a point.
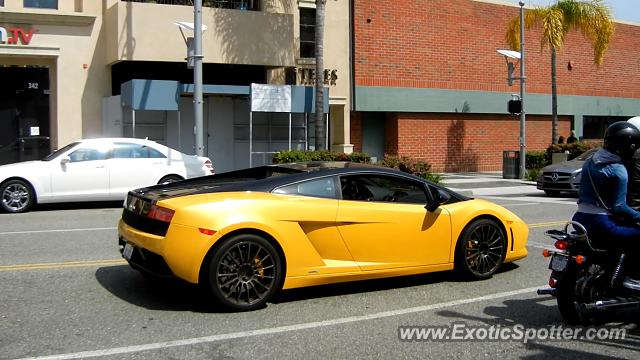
(610, 179)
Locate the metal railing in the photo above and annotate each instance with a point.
(253, 5)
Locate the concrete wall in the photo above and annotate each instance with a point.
(67, 41)
(146, 32)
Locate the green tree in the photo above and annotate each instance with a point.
(319, 83)
(592, 18)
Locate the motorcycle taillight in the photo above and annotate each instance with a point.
(561, 245)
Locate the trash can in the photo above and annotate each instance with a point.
(511, 164)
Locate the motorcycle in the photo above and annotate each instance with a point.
(588, 281)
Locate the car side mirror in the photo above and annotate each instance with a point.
(65, 160)
(439, 197)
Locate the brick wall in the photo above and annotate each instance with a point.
(470, 142)
(460, 142)
(356, 131)
(451, 44)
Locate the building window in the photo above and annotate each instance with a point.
(1, 2)
(42, 4)
(594, 127)
(307, 32)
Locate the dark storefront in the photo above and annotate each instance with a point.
(24, 113)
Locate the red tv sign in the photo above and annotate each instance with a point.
(13, 35)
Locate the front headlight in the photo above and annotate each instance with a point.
(576, 175)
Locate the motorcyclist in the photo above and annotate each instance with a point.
(602, 206)
(633, 168)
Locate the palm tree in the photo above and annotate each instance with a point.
(592, 18)
(319, 83)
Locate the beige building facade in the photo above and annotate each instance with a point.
(72, 69)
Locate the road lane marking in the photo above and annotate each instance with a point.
(56, 230)
(62, 265)
(548, 224)
(538, 245)
(280, 329)
(520, 204)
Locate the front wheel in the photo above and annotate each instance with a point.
(245, 272)
(480, 249)
(17, 196)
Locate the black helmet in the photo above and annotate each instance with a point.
(622, 138)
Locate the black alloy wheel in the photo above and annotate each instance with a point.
(480, 249)
(17, 196)
(245, 272)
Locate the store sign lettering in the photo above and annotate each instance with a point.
(15, 35)
(307, 76)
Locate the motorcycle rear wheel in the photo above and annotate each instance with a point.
(566, 298)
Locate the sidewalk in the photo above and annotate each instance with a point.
(487, 184)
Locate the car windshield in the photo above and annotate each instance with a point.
(56, 153)
(587, 154)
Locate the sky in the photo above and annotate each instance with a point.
(627, 10)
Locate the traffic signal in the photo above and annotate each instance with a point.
(514, 106)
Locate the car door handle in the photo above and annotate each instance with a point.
(100, 167)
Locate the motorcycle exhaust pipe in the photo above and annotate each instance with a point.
(619, 303)
(548, 291)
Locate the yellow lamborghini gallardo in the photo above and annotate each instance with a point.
(246, 234)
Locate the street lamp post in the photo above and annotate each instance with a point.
(523, 152)
(509, 56)
(197, 78)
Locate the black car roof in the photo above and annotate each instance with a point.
(268, 177)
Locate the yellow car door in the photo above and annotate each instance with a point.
(314, 209)
(384, 222)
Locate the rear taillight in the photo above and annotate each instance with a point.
(209, 165)
(160, 213)
(561, 245)
(580, 259)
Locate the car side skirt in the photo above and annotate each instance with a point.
(292, 282)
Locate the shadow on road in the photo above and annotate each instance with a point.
(154, 294)
(78, 205)
(542, 312)
(176, 295)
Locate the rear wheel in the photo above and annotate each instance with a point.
(169, 179)
(579, 287)
(245, 272)
(566, 298)
(480, 249)
(17, 196)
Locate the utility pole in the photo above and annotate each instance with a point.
(197, 78)
(523, 147)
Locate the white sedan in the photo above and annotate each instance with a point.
(95, 170)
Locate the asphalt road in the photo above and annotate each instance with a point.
(65, 293)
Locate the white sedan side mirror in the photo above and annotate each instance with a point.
(65, 160)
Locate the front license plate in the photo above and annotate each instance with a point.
(128, 251)
(559, 262)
